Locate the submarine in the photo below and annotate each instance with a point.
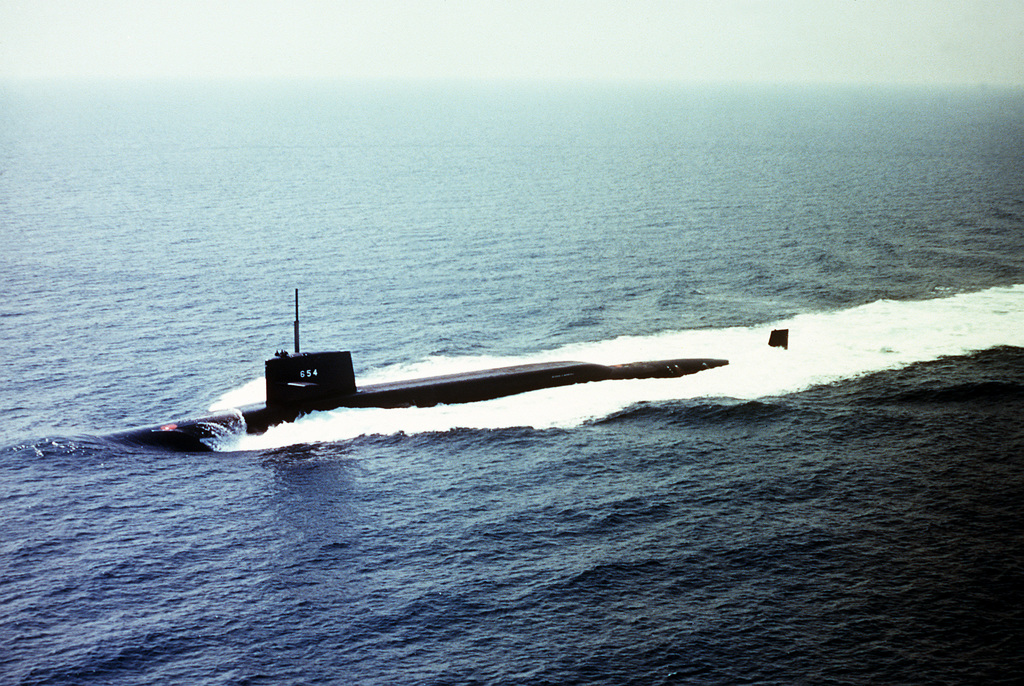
(300, 383)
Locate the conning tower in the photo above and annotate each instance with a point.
(301, 377)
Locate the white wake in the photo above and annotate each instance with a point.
(824, 347)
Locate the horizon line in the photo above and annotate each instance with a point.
(141, 79)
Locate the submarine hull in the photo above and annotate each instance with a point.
(288, 400)
(472, 387)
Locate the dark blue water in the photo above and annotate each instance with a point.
(845, 511)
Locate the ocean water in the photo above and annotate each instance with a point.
(844, 511)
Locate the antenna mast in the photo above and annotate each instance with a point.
(296, 321)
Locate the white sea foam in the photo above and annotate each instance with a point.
(824, 347)
(253, 392)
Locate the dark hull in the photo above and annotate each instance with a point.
(195, 434)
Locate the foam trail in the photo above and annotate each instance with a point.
(824, 348)
(253, 392)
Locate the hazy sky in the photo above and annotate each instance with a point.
(901, 41)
